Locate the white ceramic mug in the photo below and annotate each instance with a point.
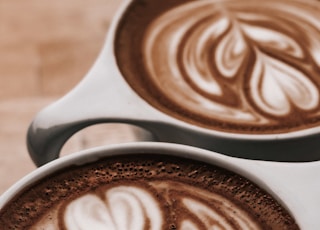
(104, 96)
(294, 185)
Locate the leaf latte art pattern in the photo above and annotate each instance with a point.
(238, 65)
(136, 208)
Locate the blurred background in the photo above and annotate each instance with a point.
(46, 48)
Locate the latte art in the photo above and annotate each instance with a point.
(122, 207)
(132, 207)
(234, 65)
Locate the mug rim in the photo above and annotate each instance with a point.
(243, 167)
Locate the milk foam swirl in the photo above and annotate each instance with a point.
(124, 207)
(136, 207)
(249, 62)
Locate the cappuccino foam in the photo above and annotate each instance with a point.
(145, 192)
(235, 66)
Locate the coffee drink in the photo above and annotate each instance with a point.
(145, 191)
(240, 66)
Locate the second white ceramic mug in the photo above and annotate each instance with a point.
(104, 97)
(294, 185)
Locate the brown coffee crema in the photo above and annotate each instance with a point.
(243, 66)
(139, 192)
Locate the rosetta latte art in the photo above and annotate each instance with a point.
(130, 207)
(238, 61)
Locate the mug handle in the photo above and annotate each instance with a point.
(87, 104)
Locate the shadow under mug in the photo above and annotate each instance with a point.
(104, 96)
(293, 185)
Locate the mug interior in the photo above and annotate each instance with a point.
(126, 13)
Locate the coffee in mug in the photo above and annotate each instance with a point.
(141, 187)
(235, 66)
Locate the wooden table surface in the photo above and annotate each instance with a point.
(46, 47)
